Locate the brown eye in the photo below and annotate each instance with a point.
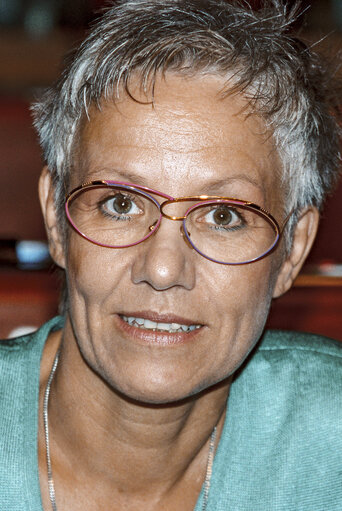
(120, 207)
(222, 216)
(121, 204)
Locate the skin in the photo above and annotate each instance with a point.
(131, 420)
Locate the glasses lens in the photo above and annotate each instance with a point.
(230, 233)
(112, 216)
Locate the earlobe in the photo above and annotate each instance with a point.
(46, 197)
(303, 238)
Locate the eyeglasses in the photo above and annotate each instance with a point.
(224, 230)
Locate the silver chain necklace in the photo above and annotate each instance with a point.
(51, 484)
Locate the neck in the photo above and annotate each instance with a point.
(132, 445)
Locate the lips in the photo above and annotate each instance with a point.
(159, 328)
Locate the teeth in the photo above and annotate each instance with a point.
(148, 324)
(162, 327)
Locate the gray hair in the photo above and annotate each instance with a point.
(283, 80)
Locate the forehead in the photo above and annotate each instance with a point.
(187, 141)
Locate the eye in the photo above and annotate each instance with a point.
(120, 207)
(224, 216)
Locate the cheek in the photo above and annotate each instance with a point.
(93, 273)
(243, 298)
(243, 289)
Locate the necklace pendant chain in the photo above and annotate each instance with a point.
(51, 484)
(209, 470)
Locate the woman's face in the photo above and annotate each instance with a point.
(190, 142)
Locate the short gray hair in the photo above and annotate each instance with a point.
(283, 80)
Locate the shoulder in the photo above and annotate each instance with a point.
(21, 355)
(30, 341)
(298, 354)
(19, 392)
(20, 359)
(302, 363)
(295, 379)
(284, 424)
(290, 341)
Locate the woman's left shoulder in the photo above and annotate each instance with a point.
(287, 343)
(295, 367)
(284, 426)
(290, 367)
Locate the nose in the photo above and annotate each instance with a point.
(164, 260)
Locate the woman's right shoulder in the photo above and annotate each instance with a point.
(27, 347)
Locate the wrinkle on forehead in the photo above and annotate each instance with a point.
(188, 113)
(189, 134)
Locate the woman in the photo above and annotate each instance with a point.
(159, 363)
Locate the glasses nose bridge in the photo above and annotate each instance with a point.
(167, 202)
(176, 218)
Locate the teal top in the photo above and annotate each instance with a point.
(281, 446)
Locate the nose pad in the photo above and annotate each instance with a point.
(153, 226)
(184, 236)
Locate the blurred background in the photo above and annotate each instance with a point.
(35, 35)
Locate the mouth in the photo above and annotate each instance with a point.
(154, 326)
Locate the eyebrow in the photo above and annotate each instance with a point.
(222, 183)
(212, 187)
(111, 174)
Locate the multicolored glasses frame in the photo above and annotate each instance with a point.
(200, 200)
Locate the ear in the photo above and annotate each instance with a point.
(47, 203)
(303, 238)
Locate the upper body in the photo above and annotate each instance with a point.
(217, 105)
(280, 447)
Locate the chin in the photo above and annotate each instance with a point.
(165, 392)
